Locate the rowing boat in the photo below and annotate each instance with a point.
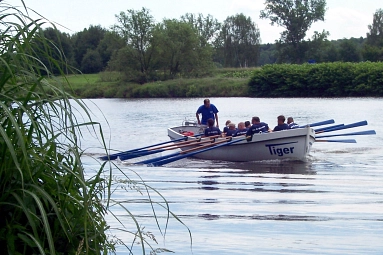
(294, 144)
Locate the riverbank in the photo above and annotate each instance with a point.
(224, 83)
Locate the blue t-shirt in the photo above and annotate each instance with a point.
(293, 125)
(240, 132)
(230, 132)
(283, 126)
(207, 113)
(258, 128)
(210, 131)
(225, 129)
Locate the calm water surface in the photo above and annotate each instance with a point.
(331, 204)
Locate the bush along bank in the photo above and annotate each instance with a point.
(336, 79)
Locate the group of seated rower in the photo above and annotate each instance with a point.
(244, 128)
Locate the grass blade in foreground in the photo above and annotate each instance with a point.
(48, 203)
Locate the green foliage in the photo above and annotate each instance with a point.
(91, 62)
(207, 27)
(203, 87)
(296, 17)
(240, 40)
(349, 52)
(86, 40)
(375, 35)
(318, 80)
(49, 204)
(178, 52)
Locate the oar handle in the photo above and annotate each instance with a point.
(212, 143)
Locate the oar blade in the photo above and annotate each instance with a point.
(352, 125)
(338, 141)
(367, 132)
(321, 123)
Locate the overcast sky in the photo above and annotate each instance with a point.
(343, 19)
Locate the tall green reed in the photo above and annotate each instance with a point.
(48, 203)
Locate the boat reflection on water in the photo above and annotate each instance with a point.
(269, 166)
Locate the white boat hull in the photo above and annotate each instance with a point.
(294, 144)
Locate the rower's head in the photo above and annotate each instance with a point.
(210, 122)
(206, 102)
(290, 120)
(255, 120)
(232, 126)
(281, 119)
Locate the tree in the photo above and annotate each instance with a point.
(317, 47)
(207, 28)
(348, 51)
(373, 49)
(178, 50)
(296, 16)
(136, 28)
(91, 62)
(88, 39)
(375, 36)
(111, 43)
(240, 40)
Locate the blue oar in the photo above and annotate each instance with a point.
(368, 132)
(356, 124)
(175, 158)
(338, 141)
(114, 156)
(319, 130)
(325, 122)
(148, 161)
(137, 154)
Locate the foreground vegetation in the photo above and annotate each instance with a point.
(49, 204)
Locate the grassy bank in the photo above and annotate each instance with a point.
(225, 83)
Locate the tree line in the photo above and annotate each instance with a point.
(194, 45)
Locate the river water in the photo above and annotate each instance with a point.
(331, 204)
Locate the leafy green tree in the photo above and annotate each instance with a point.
(57, 39)
(296, 16)
(373, 49)
(88, 39)
(178, 50)
(240, 39)
(267, 54)
(317, 47)
(91, 62)
(111, 43)
(331, 53)
(375, 36)
(348, 51)
(208, 28)
(136, 29)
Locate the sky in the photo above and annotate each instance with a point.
(343, 18)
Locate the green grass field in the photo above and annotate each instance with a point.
(225, 82)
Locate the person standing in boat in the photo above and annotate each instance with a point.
(207, 110)
(257, 127)
(291, 123)
(211, 129)
(281, 124)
